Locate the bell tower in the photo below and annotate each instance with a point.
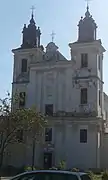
(87, 56)
(87, 28)
(31, 34)
(28, 53)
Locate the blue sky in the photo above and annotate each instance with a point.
(62, 16)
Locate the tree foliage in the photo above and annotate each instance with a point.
(21, 119)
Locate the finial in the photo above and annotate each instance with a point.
(32, 8)
(52, 35)
(32, 15)
(87, 4)
(87, 14)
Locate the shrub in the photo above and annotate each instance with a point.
(62, 165)
(105, 175)
(28, 168)
(75, 170)
(53, 168)
(90, 173)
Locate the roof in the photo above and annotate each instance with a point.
(52, 171)
(105, 96)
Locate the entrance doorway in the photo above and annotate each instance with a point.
(47, 160)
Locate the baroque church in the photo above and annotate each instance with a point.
(69, 92)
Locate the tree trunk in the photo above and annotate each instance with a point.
(33, 154)
(1, 158)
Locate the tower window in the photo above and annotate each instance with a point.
(48, 134)
(83, 135)
(49, 109)
(84, 60)
(22, 96)
(99, 62)
(24, 65)
(99, 98)
(83, 96)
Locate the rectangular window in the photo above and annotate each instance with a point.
(49, 109)
(99, 62)
(22, 97)
(99, 98)
(24, 65)
(19, 135)
(48, 134)
(83, 135)
(84, 60)
(83, 96)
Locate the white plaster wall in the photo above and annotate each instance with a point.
(79, 154)
(16, 89)
(33, 55)
(17, 64)
(104, 156)
(64, 96)
(93, 50)
(31, 90)
(57, 81)
(105, 107)
(92, 60)
(69, 148)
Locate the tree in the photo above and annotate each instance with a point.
(13, 121)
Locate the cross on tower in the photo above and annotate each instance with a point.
(32, 8)
(87, 2)
(52, 35)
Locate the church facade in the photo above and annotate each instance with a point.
(69, 92)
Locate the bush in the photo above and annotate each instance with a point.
(53, 168)
(96, 171)
(90, 173)
(75, 170)
(105, 175)
(62, 165)
(29, 168)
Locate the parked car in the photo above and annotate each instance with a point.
(52, 175)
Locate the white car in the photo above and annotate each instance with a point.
(52, 175)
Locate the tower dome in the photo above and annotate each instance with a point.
(87, 28)
(31, 34)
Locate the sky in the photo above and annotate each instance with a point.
(61, 16)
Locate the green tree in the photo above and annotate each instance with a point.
(26, 119)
